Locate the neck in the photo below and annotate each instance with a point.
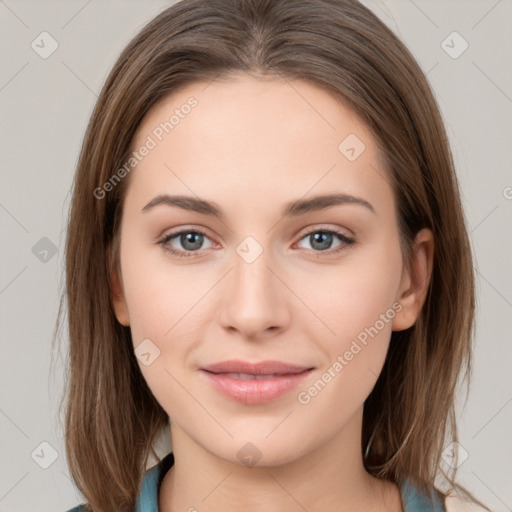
(329, 478)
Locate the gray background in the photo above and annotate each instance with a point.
(45, 105)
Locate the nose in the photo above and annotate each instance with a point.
(254, 300)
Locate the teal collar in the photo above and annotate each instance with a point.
(147, 500)
(415, 501)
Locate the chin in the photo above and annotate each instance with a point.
(256, 451)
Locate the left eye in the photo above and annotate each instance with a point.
(323, 238)
(192, 241)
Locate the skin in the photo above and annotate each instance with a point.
(251, 145)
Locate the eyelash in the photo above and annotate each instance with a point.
(164, 241)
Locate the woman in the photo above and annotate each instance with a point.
(267, 250)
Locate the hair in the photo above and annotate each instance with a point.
(345, 49)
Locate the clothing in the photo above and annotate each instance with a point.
(147, 500)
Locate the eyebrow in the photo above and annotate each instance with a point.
(293, 208)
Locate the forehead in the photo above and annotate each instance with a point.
(249, 134)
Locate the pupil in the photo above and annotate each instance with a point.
(189, 238)
(318, 237)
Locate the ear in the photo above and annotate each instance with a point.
(415, 283)
(118, 300)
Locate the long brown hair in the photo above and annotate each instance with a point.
(342, 47)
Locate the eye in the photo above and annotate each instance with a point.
(321, 240)
(190, 240)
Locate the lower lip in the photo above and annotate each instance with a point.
(255, 391)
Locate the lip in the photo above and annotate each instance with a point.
(261, 368)
(252, 391)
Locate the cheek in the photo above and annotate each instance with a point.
(354, 295)
(356, 306)
(358, 312)
(158, 292)
(167, 307)
(164, 305)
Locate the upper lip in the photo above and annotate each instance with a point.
(261, 368)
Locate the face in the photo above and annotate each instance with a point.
(320, 285)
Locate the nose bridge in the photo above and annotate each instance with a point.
(253, 301)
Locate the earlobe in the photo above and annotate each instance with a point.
(415, 283)
(118, 300)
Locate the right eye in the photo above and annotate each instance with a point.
(190, 239)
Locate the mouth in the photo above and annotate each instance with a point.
(263, 368)
(254, 383)
(250, 376)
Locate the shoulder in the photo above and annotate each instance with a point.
(456, 504)
(78, 508)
